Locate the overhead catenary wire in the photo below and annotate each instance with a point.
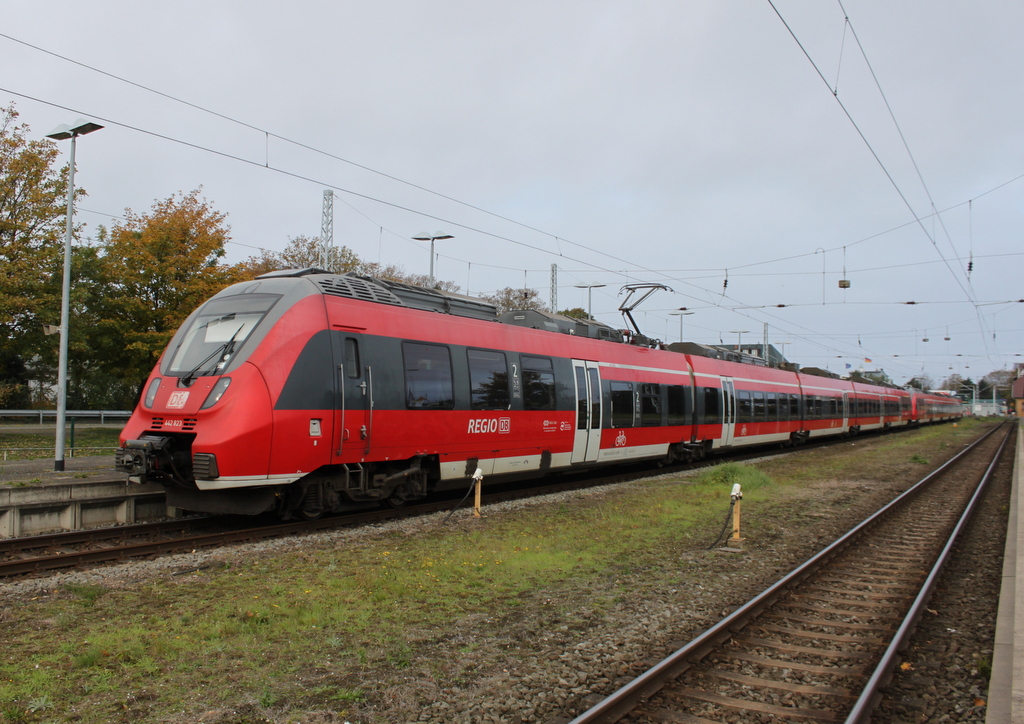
(265, 163)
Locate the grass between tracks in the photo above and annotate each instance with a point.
(300, 630)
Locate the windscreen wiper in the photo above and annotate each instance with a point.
(225, 348)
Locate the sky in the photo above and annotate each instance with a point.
(746, 155)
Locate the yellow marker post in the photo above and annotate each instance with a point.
(478, 477)
(737, 497)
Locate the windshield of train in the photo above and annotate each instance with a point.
(217, 332)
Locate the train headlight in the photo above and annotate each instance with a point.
(216, 393)
(151, 392)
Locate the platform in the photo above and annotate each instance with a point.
(1006, 687)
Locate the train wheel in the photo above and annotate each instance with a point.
(399, 496)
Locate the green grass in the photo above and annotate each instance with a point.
(40, 444)
(255, 634)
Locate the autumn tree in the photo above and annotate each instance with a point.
(575, 313)
(156, 269)
(303, 252)
(508, 299)
(33, 197)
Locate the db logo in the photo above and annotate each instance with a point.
(177, 399)
(620, 439)
(743, 430)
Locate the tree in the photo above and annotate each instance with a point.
(575, 313)
(508, 299)
(156, 268)
(921, 382)
(1000, 381)
(33, 198)
(304, 252)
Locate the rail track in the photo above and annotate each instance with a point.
(43, 553)
(818, 645)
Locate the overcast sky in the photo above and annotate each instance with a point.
(684, 143)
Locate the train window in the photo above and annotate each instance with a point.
(794, 407)
(595, 398)
(712, 405)
(759, 408)
(488, 380)
(622, 404)
(771, 406)
(678, 398)
(538, 383)
(582, 395)
(428, 376)
(220, 327)
(744, 406)
(650, 405)
(352, 369)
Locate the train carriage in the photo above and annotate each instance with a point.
(304, 392)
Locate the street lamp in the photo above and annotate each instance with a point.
(589, 288)
(425, 236)
(739, 337)
(60, 133)
(681, 313)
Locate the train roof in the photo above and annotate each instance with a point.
(384, 291)
(399, 294)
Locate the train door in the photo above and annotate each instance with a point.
(846, 410)
(353, 417)
(728, 410)
(587, 442)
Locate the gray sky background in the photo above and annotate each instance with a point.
(649, 141)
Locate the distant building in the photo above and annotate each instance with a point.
(1018, 391)
(774, 358)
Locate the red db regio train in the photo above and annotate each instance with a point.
(303, 392)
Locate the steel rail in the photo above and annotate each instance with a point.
(870, 696)
(619, 703)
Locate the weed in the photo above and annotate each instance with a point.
(984, 665)
(40, 703)
(13, 713)
(87, 593)
(918, 459)
(19, 484)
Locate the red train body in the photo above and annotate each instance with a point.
(304, 392)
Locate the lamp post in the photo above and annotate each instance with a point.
(589, 288)
(739, 338)
(425, 236)
(62, 132)
(681, 313)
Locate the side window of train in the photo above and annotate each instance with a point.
(771, 406)
(794, 407)
(488, 380)
(428, 376)
(352, 369)
(622, 404)
(759, 407)
(650, 405)
(712, 405)
(538, 383)
(678, 398)
(744, 406)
